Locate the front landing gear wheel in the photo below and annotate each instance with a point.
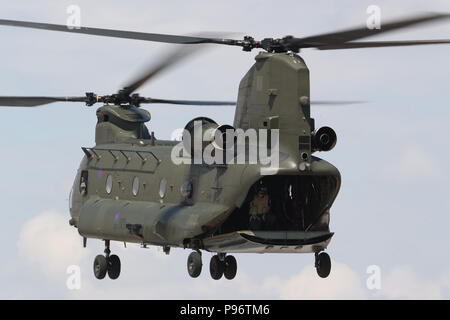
(323, 264)
(194, 264)
(230, 267)
(113, 267)
(100, 266)
(216, 267)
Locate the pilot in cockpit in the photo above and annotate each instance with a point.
(259, 209)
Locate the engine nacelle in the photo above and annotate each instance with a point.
(205, 131)
(223, 137)
(198, 129)
(323, 139)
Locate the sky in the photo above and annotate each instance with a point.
(393, 209)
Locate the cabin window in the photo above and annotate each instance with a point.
(109, 183)
(186, 189)
(135, 188)
(162, 187)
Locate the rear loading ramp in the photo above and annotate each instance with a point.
(268, 242)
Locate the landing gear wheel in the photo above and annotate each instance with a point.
(230, 267)
(323, 264)
(194, 264)
(216, 267)
(113, 267)
(100, 266)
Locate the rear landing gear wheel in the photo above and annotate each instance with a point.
(323, 264)
(100, 266)
(230, 267)
(216, 267)
(113, 267)
(194, 264)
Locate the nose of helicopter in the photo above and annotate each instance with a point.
(321, 167)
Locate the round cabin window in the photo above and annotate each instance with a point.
(135, 188)
(109, 182)
(186, 189)
(162, 187)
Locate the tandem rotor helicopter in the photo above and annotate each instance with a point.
(129, 189)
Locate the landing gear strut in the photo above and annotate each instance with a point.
(221, 265)
(107, 264)
(323, 264)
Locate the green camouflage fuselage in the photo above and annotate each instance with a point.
(274, 94)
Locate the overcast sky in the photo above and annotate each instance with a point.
(393, 210)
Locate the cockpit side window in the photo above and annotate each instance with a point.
(83, 182)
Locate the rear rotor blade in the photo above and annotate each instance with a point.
(190, 102)
(335, 102)
(340, 37)
(35, 101)
(156, 37)
(233, 103)
(326, 40)
(379, 44)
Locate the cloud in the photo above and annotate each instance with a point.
(342, 283)
(48, 242)
(403, 283)
(414, 165)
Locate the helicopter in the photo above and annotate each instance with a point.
(129, 188)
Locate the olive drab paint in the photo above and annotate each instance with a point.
(273, 95)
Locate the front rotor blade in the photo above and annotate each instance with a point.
(171, 59)
(190, 102)
(156, 37)
(379, 44)
(340, 37)
(35, 101)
